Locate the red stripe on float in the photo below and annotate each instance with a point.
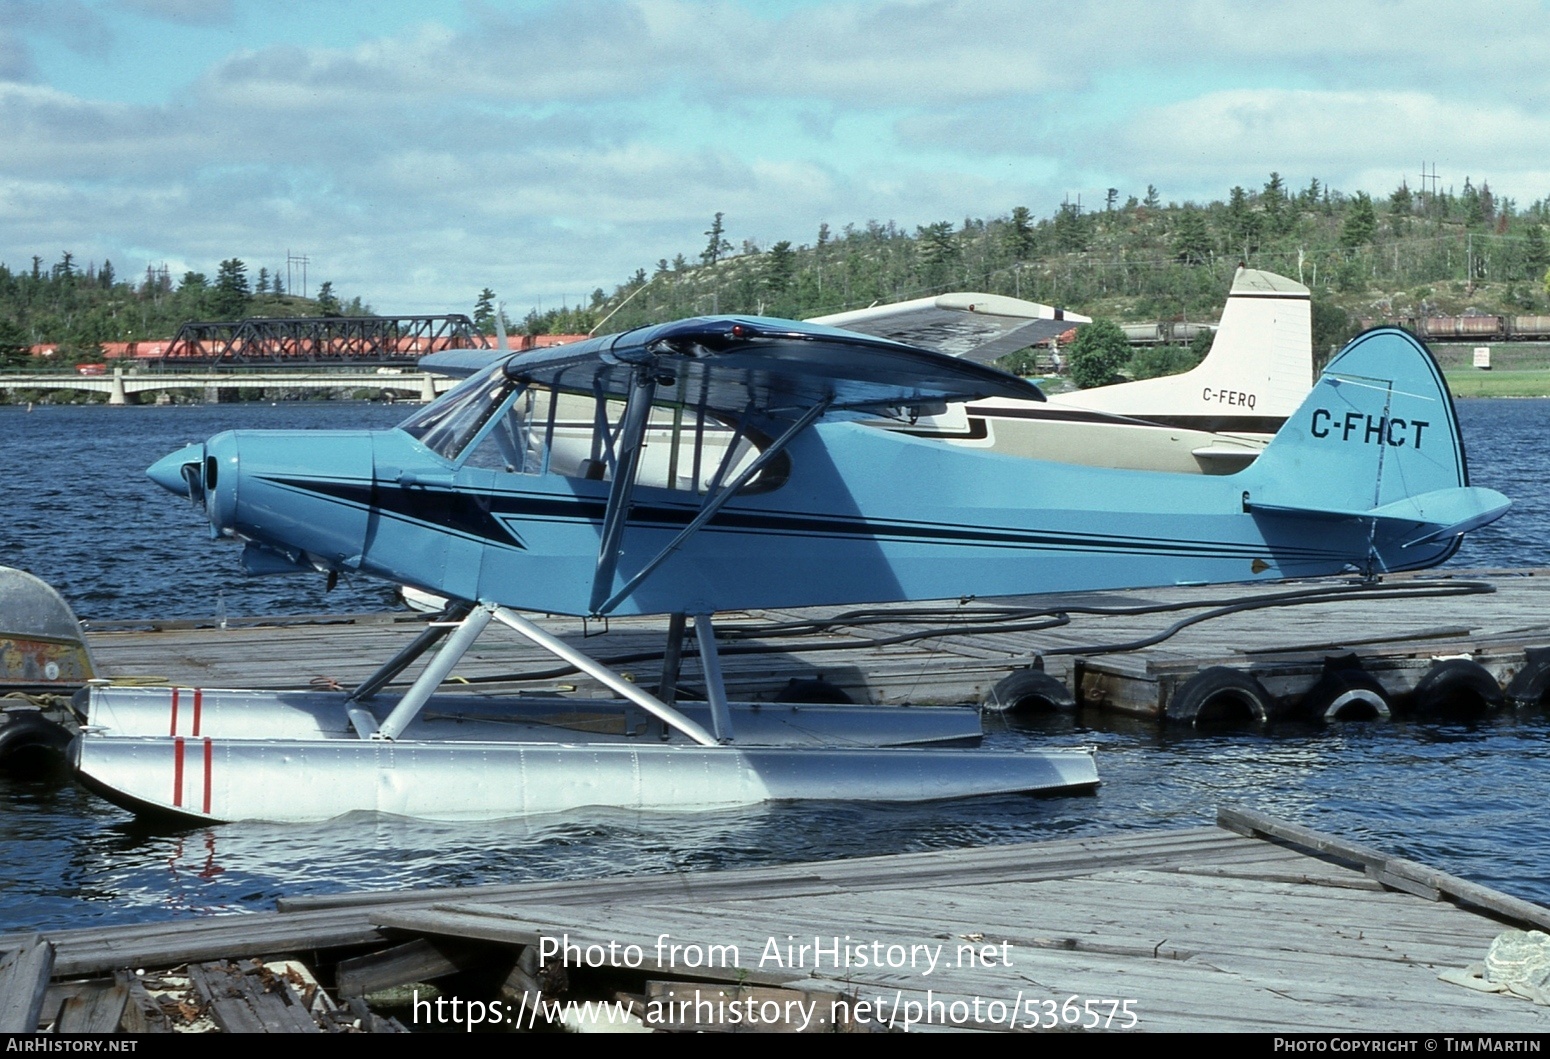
(209, 757)
(198, 706)
(177, 772)
(174, 730)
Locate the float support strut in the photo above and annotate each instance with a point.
(430, 677)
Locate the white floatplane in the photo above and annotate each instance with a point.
(471, 498)
(1213, 419)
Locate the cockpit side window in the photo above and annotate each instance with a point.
(574, 434)
(448, 424)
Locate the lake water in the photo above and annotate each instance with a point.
(79, 512)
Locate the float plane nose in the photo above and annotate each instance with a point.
(168, 472)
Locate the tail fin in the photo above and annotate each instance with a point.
(1258, 371)
(1377, 439)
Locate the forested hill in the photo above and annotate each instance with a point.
(1410, 253)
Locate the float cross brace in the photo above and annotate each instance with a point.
(468, 630)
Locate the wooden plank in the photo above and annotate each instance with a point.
(421, 960)
(98, 951)
(97, 1009)
(1390, 870)
(25, 967)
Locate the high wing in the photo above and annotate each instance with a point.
(977, 327)
(778, 368)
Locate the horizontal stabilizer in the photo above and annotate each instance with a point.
(1450, 511)
(1236, 457)
(1441, 514)
(977, 327)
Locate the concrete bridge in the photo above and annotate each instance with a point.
(124, 387)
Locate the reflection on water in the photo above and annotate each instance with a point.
(1464, 797)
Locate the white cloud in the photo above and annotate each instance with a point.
(1341, 136)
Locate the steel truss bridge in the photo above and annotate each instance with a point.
(363, 340)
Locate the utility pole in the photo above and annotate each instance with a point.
(1432, 176)
(298, 262)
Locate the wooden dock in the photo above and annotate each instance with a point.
(1131, 651)
(1253, 925)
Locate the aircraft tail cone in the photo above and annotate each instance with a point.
(168, 472)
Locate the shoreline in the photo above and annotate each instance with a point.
(1473, 382)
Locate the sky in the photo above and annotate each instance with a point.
(417, 152)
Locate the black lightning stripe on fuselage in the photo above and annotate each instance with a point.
(483, 517)
(469, 514)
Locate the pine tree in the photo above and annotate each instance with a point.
(1361, 222)
(779, 267)
(231, 296)
(484, 312)
(1071, 229)
(14, 347)
(1019, 233)
(1192, 238)
(718, 244)
(1535, 255)
(1242, 223)
(937, 251)
(1401, 203)
(1274, 202)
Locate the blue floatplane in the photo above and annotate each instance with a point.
(492, 497)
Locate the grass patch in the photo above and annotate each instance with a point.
(1471, 382)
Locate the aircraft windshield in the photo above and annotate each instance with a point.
(448, 424)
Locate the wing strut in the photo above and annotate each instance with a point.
(632, 435)
(708, 511)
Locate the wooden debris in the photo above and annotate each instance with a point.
(142, 1014)
(248, 997)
